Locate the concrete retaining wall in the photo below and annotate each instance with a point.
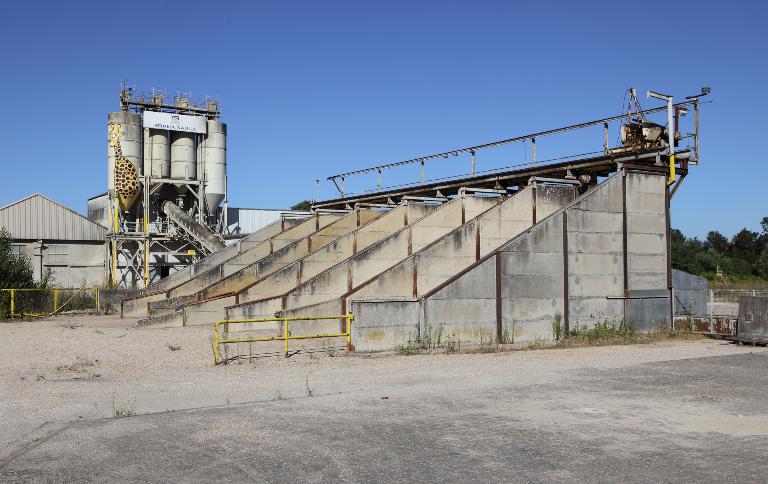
(436, 263)
(364, 265)
(293, 237)
(753, 318)
(276, 273)
(517, 292)
(314, 243)
(182, 284)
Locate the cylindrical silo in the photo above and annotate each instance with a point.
(130, 143)
(157, 155)
(215, 164)
(183, 156)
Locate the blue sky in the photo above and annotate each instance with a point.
(310, 89)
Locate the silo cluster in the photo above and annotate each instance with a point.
(168, 155)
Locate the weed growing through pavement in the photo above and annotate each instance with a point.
(330, 351)
(122, 409)
(603, 333)
(557, 326)
(309, 389)
(173, 347)
(279, 394)
(409, 349)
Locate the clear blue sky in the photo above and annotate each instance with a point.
(310, 89)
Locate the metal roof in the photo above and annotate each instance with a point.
(37, 217)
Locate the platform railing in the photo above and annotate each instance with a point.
(220, 339)
(41, 302)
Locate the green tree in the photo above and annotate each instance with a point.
(304, 206)
(718, 242)
(762, 263)
(15, 271)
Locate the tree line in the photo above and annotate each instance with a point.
(743, 256)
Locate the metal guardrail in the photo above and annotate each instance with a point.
(43, 302)
(286, 336)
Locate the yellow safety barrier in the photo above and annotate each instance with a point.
(41, 302)
(218, 341)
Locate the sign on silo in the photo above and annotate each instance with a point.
(175, 122)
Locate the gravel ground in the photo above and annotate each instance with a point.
(684, 411)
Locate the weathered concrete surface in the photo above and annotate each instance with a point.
(312, 244)
(529, 298)
(687, 412)
(383, 324)
(295, 236)
(242, 245)
(362, 266)
(201, 306)
(271, 271)
(137, 306)
(753, 319)
(436, 263)
(465, 311)
(690, 294)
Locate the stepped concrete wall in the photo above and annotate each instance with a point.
(141, 306)
(435, 264)
(283, 239)
(291, 253)
(569, 267)
(137, 304)
(381, 225)
(364, 265)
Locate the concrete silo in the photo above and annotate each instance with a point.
(157, 155)
(168, 216)
(214, 161)
(130, 144)
(183, 159)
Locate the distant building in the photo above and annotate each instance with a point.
(244, 221)
(57, 240)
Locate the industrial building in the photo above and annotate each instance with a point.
(503, 255)
(57, 240)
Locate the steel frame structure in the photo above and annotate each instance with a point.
(578, 165)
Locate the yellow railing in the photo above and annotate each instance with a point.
(40, 302)
(286, 336)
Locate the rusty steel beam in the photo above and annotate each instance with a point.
(594, 166)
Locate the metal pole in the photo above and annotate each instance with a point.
(349, 333)
(696, 127)
(671, 130)
(605, 138)
(285, 335)
(473, 162)
(422, 172)
(216, 343)
(13, 302)
(533, 151)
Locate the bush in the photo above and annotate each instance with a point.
(15, 271)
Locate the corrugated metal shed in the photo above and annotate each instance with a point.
(37, 217)
(249, 220)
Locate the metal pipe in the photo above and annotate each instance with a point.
(533, 151)
(696, 128)
(670, 131)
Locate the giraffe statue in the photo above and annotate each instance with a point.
(127, 186)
